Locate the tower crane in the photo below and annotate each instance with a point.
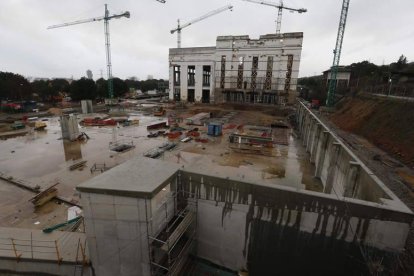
(207, 15)
(337, 54)
(280, 7)
(106, 19)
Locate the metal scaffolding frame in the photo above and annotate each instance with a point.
(177, 221)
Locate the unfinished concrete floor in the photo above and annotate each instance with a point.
(43, 158)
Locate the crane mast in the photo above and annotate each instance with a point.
(106, 19)
(207, 15)
(337, 54)
(280, 7)
(108, 55)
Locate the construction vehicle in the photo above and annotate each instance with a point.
(106, 19)
(280, 8)
(207, 15)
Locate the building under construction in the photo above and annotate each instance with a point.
(237, 70)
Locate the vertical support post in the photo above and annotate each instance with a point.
(332, 167)
(83, 249)
(59, 258)
(315, 143)
(31, 243)
(15, 251)
(322, 151)
(351, 181)
(311, 134)
(77, 251)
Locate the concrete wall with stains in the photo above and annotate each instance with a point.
(233, 216)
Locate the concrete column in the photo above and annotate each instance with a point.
(69, 126)
(312, 133)
(336, 147)
(315, 143)
(306, 132)
(86, 106)
(351, 180)
(322, 151)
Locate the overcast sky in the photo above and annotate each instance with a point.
(377, 30)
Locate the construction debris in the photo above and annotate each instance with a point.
(99, 167)
(78, 165)
(44, 196)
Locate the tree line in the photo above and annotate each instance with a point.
(362, 74)
(15, 87)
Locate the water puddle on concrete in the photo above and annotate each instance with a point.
(288, 165)
(43, 158)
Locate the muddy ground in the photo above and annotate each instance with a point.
(43, 158)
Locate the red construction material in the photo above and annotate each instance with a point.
(174, 135)
(98, 122)
(230, 126)
(193, 133)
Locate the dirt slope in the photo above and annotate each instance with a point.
(389, 124)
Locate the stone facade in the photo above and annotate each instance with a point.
(238, 69)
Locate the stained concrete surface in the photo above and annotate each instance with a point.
(42, 158)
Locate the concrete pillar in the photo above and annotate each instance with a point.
(322, 147)
(86, 106)
(336, 147)
(69, 126)
(308, 131)
(312, 133)
(351, 180)
(315, 142)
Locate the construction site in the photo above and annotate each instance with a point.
(233, 173)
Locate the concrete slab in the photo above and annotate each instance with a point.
(138, 177)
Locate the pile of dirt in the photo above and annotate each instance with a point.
(387, 123)
(55, 111)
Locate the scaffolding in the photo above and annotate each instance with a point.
(171, 232)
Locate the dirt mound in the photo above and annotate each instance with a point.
(387, 123)
(55, 111)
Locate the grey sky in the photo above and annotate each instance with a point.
(377, 30)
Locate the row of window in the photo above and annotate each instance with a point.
(205, 98)
(191, 71)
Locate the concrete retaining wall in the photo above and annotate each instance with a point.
(234, 216)
(340, 171)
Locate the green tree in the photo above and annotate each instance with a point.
(102, 88)
(43, 88)
(14, 87)
(402, 60)
(83, 89)
(120, 87)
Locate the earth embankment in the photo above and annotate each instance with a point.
(387, 123)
